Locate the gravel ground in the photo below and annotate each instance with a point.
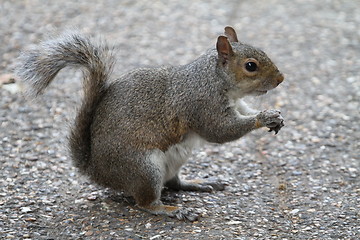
(303, 183)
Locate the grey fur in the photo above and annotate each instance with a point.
(131, 133)
(39, 66)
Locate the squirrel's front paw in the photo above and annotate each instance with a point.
(271, 119)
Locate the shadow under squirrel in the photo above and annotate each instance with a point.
(134, 133)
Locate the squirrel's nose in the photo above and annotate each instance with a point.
(280, 78)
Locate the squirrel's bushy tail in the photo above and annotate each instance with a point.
(39, 66)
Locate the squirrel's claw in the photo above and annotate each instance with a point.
(277, 128)
(187, 215)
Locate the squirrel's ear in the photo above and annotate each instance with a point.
(231, 34)
(224, 49)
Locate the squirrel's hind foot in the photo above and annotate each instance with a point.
(172, 211)
(202, 185)
(195, 185)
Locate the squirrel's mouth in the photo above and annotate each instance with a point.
(260, 92)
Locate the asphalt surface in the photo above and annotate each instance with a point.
(303, 183)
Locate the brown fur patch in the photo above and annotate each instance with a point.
(157, 209)
(172, 134)
(159, 135)
(258, 124)
(196, 181)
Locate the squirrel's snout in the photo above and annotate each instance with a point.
(279, 79)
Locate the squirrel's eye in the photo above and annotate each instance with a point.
(251, 66)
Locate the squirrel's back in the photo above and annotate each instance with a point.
(140, 109)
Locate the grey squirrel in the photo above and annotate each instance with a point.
(134, 133)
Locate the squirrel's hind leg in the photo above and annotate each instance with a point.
(147, 191)
(149, 201)
(194, 185)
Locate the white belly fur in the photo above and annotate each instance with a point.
(177, 155)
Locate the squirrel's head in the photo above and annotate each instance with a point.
(254, 72)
